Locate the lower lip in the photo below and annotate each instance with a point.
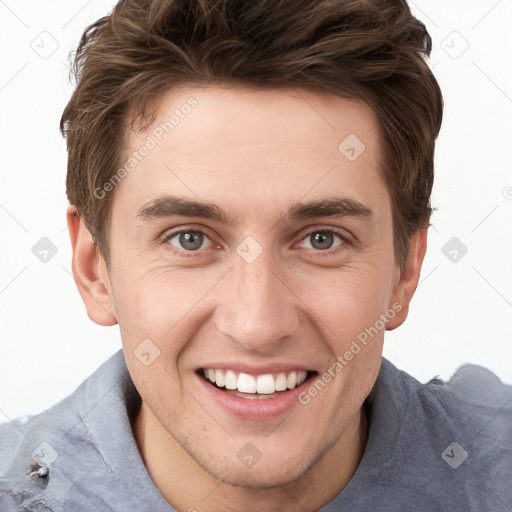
(255, 409)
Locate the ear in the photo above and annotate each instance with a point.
(90, 272)
(404, 289)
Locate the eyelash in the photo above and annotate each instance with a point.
(190, 254)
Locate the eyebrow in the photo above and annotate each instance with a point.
(171, 206)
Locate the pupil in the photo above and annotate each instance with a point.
(191, 240)
(322, 240)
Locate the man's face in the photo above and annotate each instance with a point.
(264, 281)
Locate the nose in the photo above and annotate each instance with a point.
(258, 308)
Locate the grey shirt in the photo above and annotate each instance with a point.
(431, 447)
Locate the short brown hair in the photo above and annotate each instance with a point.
(373, 50)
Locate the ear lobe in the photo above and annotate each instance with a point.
(89, 272)
(409, 277)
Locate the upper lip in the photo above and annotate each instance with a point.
(239, 367)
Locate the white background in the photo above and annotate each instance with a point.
(462, 311)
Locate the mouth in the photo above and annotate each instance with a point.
(255, 387)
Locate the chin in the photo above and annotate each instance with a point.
(267, 473)
(262, 477)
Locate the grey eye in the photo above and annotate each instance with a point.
(189, 240)
(322, 240)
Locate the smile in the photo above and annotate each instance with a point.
(268, 385)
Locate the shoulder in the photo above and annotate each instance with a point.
(473, 404)
(33, 444)
(448, 434)
(472, 395)
(58, 440)
(474, 399)
(24, 434)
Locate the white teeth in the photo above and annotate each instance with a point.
(219, 378)
(230, 381)
(246, 383)
(291, 381)
(265, 384)
(281, 382)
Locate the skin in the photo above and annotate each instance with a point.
(254, 153)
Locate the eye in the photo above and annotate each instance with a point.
(323, 240)
(191, 240)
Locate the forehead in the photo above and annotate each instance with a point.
(239, 143)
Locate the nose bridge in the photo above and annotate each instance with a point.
(259, 310)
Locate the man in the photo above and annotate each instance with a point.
(249, 188)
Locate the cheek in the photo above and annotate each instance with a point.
(159, 303)
(142, 292)
(348, 302)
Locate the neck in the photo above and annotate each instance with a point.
(187, 486)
